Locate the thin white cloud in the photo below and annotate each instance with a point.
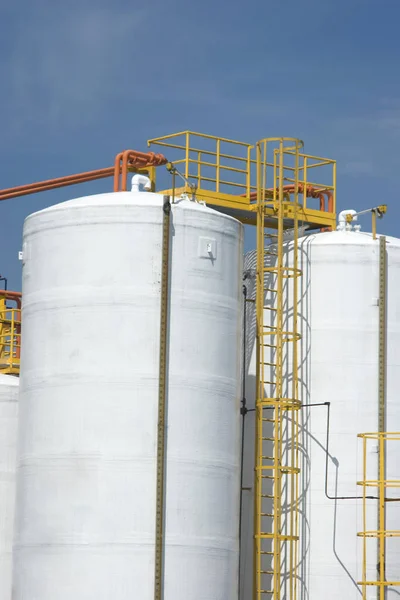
(66, 64)
(368, 144)
(76, 65)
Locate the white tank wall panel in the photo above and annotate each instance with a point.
(339, 322)
(8, 442)
(89, 397)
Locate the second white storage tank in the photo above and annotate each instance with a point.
(8, 443)
(338, 316)
(89, 394)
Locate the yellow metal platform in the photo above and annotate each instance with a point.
(223, 173)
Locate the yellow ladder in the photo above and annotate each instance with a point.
(276, 523)
(10, 334)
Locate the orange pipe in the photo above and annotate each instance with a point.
(42, 186)
(117, 171)
(311, 192)
(130, 158)
(57, 180)
(124, 171)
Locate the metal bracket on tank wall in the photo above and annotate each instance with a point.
(174, 172)
(207, 248)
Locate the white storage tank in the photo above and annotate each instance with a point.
(8, 442)
(339, 321)
(85, 524)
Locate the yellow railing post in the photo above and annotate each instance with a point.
(374, 224)
(218, 165)
(12, 334)
(364, 566)
(381, 524)
(199, 169)
(334, 189)
(187, 155)
(248, 174)
(2, 322)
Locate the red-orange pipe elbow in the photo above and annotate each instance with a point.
(15, 296)
(137, 160)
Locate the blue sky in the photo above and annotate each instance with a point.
(82, 80)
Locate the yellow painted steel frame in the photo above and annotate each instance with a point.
(381, 534)
(275, 200)
(10, 338)
(223, 172)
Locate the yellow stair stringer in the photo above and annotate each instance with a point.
(276, 522)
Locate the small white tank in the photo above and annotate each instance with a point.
(8, 442)
(85, 523)
(339, 322)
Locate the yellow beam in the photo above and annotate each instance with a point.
(241, 208)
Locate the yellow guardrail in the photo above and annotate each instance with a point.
(226, 173)
(379, 485)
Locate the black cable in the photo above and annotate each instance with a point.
(328, 423)
(243, 412)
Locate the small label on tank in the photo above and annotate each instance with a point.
(207, 248)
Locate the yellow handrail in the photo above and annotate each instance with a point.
(223, 173)
(381, 533)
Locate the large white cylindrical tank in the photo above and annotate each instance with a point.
(338, 316)
(8, 442)
(86, 502)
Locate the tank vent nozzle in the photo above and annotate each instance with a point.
(140, 180)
